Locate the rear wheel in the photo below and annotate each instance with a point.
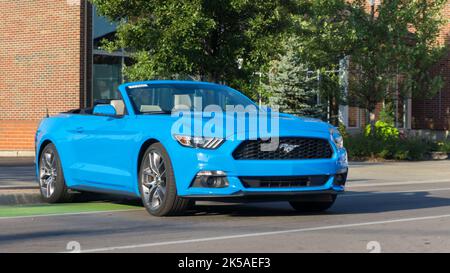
(51, 178)
(157, 184)
(313, 206)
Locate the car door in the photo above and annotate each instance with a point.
(104, 150)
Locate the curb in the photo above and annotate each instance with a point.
(17, 162)
(19, 197)
(17, 154)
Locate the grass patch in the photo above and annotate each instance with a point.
(49, 209)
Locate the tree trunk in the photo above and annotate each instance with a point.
(372, 120)
(213, 77)
(334, 112)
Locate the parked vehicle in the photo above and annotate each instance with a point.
(128, 146)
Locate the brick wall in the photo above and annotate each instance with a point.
(435, 113)
(17, 135)
(42, 55)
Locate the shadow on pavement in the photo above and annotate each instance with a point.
(360, 203)
(16, 161)
(375, 203)
(86, 197)
(17, 173)
(349, 203)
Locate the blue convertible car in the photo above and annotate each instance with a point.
(160, 141)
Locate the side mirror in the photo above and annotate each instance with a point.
(104, 110)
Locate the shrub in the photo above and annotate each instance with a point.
(360, 146)
(411, 149)
(383, 130)
(443, 146)
(368, 146)
(343, 130)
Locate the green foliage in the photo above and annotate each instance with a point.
(343, 130)
(383, 131)
(387, 114)
(290, 86)
(398, 46)
(365, 147)
(326, 33)
(203, 39)
(411, 149)
(443, 146)
(326, 36)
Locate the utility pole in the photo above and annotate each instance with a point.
(372, 115)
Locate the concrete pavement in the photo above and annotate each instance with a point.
(17, 181)
(389, 207)
(17, 173)
(18, 185)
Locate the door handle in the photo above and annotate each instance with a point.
(79, 130)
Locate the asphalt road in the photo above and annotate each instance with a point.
(389, 207)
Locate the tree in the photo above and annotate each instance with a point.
(397, 49)
(200, 38)
(290, 86)
(325, 38)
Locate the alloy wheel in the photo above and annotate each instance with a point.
(154, 180)
(48, 173)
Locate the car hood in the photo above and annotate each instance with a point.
(288, 125)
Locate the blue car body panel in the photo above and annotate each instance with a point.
(101, 153)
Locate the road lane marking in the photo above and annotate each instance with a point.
(261, 234)
(358, 185)
(67, 214)
(393, 192)
(140, 209)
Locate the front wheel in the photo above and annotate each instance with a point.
(157, 183)
(313, 206)
(51, 177)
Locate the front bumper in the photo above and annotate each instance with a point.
(323, 195)
(188, 162)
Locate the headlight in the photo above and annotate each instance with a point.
(337, 138)
(199, 142)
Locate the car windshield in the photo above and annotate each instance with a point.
(165, 98)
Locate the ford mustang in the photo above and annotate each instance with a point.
(141, 144)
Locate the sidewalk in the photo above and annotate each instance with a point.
(18, 185)
(18, 181)
(16, 161)
(17, 173)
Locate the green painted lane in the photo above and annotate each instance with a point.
(56, 209)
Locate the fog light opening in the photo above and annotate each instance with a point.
(340, 179)
(211, 179)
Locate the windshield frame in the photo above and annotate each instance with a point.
(176, 85)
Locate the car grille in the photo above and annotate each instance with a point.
(283, 181)
(288, 148)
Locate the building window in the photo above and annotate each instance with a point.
(107, 67)
(107, 76)
(354, 117)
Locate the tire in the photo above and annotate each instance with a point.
(157, 184)
(52, 184)
(313, 206)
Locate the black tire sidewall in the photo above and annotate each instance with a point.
(60, 185)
